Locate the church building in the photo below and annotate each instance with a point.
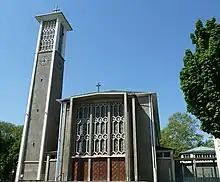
(102, 136)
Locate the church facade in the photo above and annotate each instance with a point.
(103, 136)
(99, 141)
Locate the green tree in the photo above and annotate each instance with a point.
(200, 76)
(181, 133)
(209, 142)
(10, 137)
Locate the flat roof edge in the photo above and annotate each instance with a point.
(49, 16)
(107, 93)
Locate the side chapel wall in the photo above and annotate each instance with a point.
(144, 152)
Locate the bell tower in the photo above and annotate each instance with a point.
(41, 124)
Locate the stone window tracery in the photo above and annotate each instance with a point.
(118, 133)
(82, 130)
(100, 122)
(98, 115)
(47, 35)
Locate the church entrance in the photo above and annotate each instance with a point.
(80, 170)
(118, 169)
(99, 169)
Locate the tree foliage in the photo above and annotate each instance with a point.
(209, 142)
(200, 76)
(10, 137)
(181, 133)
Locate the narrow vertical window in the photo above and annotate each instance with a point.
(60, 45)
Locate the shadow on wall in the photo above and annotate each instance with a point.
(144, 143)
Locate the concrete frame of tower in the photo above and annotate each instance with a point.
(52, 58)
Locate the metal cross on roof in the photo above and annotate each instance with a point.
(56, 8)
(98, 86)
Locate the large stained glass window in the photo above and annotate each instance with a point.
(98, 117)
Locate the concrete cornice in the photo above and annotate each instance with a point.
(106, 93)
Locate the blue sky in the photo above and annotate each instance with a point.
(124, 44)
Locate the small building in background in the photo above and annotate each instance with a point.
(198, 164)
(165, 164)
